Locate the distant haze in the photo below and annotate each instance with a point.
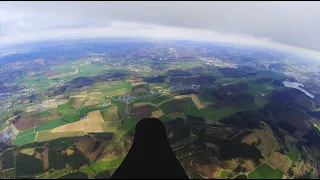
(293, 26)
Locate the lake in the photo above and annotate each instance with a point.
(297, 85)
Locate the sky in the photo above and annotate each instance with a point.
(293, 26)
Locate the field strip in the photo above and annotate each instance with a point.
(139, 83)
(34, 128)
(247, 173)
(122, 82)
(94, 97)
(89, 124)
(82, 96)
(210, 112)
(181, 96)
(265, 162)
(157, 113)
(194, 98)
(24, 135)
(265, 140)
(144, 103)
(197, 102)
(49, 135)
(14, 129)
(50, 112)
(64, 74)
(79, 96)
(189, 154)
(154, 98)
(164, 101)
(298, 170)
(76, 72)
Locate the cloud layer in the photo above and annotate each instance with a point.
(271, 24)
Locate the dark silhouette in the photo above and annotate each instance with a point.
(150, 156)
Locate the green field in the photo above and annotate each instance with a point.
(223, 113)
(111, 86)
(264, 73)
(85, 110)
(3, 125)
(261, 88)
(44, 113)
(223, 174)
(90, 69)
(159, 99)
(167, 106)
(50, 125)
(114, 92)
(71, 117)
(127, 84)
(189, 108)
(98, 167)
(265, 172)
(260, 102)
(40, 82)
(54, 175)
(188, 65)
(207, 97)
(25, 132)
(293, 154)
(204, 97)
(64, 107)
(316, 110)
(43, 126)
(121, 108)
(109, 114)
(110, 126)
(152, 107)
(115, 85)
(61, 69)
(185, 141)
(208, 110)
(75, 175)
(29, 138)
(165, 119)
(129, 124)
(224, 80)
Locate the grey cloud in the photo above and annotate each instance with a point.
(293, 23)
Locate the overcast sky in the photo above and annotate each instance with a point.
(289, 25)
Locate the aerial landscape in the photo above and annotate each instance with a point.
(230, 111)
(235, 84)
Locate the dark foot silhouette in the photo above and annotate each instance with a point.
(150, 155)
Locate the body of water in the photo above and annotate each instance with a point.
(297, 85)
